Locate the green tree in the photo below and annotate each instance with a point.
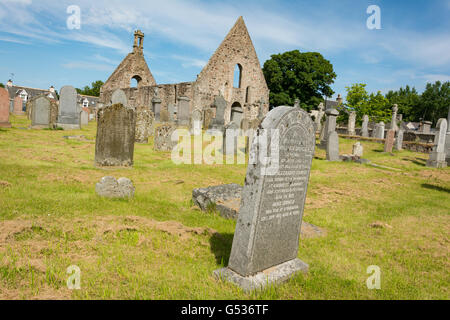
(357, 100)
(379, 108)
(408, 100)
(94, 90)
(294, 75)
(434, 102)
(2, 85)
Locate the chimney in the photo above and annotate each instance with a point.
(138, 41)
(9, 83)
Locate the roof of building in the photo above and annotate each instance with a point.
(32, 92)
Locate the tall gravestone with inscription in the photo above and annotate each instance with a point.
(437, 156)
(389, 141)
(447, 139)
(69, 112)
(114, 145)
(266, 239)
(351, 124)
(399, 140)
(219, 121)
(4, 108)
(41, 112)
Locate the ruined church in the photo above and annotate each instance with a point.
(247, 99)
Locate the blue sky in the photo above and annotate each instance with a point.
(412, 47)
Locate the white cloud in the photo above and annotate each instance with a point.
(88, 66)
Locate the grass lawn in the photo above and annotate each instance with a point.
(159, 246)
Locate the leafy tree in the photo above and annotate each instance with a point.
(434, 102)
(379, 108)
(2, 85)
(294, 75)
(408, 100)
(94, 90)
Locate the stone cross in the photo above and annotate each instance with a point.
(266, 239)
(394, 125)
(437, 156)
(114, 144)
(351, 124)
(365, 126)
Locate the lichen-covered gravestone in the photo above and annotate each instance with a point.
(389, 142)
(4, 108)
(230, 138)
(437, 156)
(163, 137)
(399, 140)
(266, 239)
(143, 124)
(365, 127)
(351, 124)
(357, 150)
(69, 112)
(219, 121)
(109, 187)
(119, 96)
(379, 130)
(114, 145)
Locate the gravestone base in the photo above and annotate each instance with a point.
(274, 275)
(5, 125)
(437, 160)
(66, 126)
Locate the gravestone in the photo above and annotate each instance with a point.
(109, 187)
(151, 128)
(119, 96)
(183, 111)
(163, 137)
(164, 115)
(365, 126)
(266, 239)
(143, 123)
(437, 156)
(69, 112)
(84, 118)
(394, 125)
(330, 126)
(41, 112)
(156, 105)
(208, 116)
(114, 145)
(230, 138)
(351, 124)
(389, 141)
(399, 140)
(4, 108)
(426, 126)
(447, 139)
(379, 130)
(196, 122)
(171, 112)
(318, 120)
(219, 120)
(333, 147)
(358, 150)
(18, 106)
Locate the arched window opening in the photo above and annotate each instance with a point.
(237, 76)
(134, 82)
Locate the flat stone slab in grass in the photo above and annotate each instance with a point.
(260, 280)
(109, 187)
(226, 199)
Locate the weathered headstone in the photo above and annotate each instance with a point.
(219, 120)
(171, 112)
(330, 126)
(183, 111)
(208, 115)
(358, 150)
(114, 145)
(399, 140)
(84, 117)
(365, 127)
(447, 139)
(156, 105)
(164, 115)
(163, 137)
(143, 123)
(196, 122)
(18, 106)
(40, 112)
(109, 187)
(351, 124)
(389, 141)
(333, 147)
(4, 108)
(379, 130)
(437, 156)
(318, 119)
(230, 138)
(119, 96)
(266, 239)
(426, 126)
(69, 112)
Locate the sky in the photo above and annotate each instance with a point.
(40, 47)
